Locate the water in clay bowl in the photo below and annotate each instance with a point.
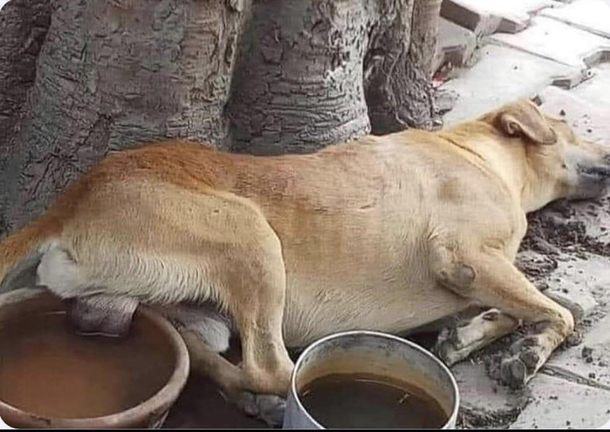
(52, 377)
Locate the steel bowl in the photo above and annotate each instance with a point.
(375, 353)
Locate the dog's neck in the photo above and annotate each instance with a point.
(487, 148)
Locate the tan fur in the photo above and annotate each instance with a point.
(383, 233)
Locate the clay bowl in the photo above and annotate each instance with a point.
(85, 382)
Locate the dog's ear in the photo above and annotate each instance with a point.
(523, 118)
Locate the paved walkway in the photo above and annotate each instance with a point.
(558, 52)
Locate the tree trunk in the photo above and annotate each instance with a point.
(23, 26)
(308, 68)
(398, 66)
(112, 74)
(258, 76)
(298, 83)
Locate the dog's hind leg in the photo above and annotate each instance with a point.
(207, 331)
(245, 269)
(458, 342)
(266, 364)
(206, 361)
(255, 303)
(198, 246)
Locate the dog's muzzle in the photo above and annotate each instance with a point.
(593, 181)
(599, 173)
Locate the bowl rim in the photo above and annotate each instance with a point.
(451, 419)
(144, 412)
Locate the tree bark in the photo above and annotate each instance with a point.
(298, 84)
(308, 68)
(424, 34)
(23, 26)
(115, 73)
(257, 76)
(398, 68)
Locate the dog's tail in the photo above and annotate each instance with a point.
(20, 253)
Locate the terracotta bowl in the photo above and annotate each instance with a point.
(150, 413)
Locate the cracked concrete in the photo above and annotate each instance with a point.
(489, 16)
(567, 250)
(484, 402)
(590, 15)
(554, 40)
(595, 90)
(549, 409)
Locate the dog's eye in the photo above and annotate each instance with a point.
(564, 166)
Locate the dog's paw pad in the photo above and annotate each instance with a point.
(269, 408)
(517, 370)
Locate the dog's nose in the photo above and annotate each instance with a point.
(600, 172)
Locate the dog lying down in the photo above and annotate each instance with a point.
(386, 233)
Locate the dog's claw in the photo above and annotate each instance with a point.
(269, 408)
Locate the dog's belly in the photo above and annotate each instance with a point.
(361, 270)
(313, 312)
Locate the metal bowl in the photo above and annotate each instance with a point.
(375, 353)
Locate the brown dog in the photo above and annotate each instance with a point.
(385, 233)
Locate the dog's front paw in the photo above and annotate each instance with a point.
(458, 342)
(517, 369)
(448, 346)
(269, 408)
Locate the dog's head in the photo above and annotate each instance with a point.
(559, 164)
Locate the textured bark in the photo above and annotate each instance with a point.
(298, 83)
(308, 68)
(398, 68)
(114, 73)
(258, 76)
(424, 34)
(23, 26)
